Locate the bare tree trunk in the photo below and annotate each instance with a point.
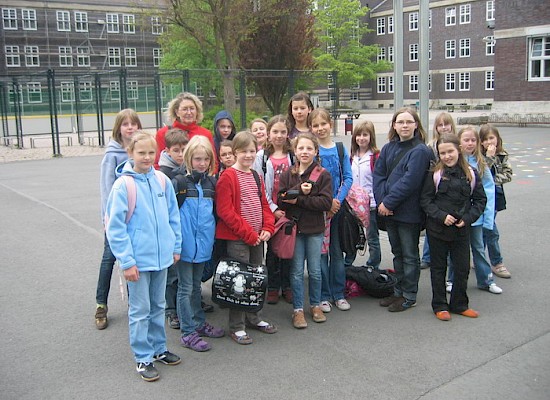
(229, 93)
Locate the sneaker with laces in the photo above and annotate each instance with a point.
(210, 331)
(317, 314)
(449, 287)
(501, 271)
(147, 371)
(167, 358)
(195, 342)
(493, 288)
(299, 320)
(326, 307)
(173, 321)
(101, 321)
(342, 305)
(402, 305)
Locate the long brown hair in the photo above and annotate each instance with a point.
(462, 163)
(421, 132)
(122, 116)
(484, 131)
(269, 149)
(362, 127)
(300, 96)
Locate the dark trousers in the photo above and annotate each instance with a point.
(278, 271)
(459, 250)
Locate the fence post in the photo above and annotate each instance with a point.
(77, 110)
(123, 89)
(158, 101)
(336, 101)
(186, 80)
(291, 83)
(242, 96)
(17, 112)
(54, 123)
(99, 111)
(4, 110)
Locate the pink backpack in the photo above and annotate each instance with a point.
(359, 200)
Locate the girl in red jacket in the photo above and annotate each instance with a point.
(245, 222)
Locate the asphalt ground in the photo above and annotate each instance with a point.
(50, 250)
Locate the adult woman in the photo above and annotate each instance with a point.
(185, 113)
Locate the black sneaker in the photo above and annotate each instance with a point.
(207, 307)
(147, 371)
(173, 321)
(168, 358)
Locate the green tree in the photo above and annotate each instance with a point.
(340, 28)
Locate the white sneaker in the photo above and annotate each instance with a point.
(342, 305)
(326, 307)
(449, 287)
(493, 288)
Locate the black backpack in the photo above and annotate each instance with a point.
(375, 282)
(351, 231)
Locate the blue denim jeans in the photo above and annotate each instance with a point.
(373, 241)
(333, 271)
(404, 239)
(426, 250)
(146, 304)
(105, 273)
(308, 248)
(190, 312)
(484, 275)
(490, 241)
(171, 291)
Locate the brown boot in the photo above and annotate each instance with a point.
(299, 320)
(317, 314)
(272, 296)
(101, 321)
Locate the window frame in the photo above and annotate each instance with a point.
(450, 48)
(380, 26)
(542, 59)
(450, 16)
(489, 80)
(157, 56)
(156, 25)
(130, 57)
(83, 56)
(490, 10)
(464, 81)
(63, 19)
(9, 19)
(450, 82)
(28, 19)
(13, 58)
(381, 84)
(465, 14)
(80, 21)
(390, 25)
(129, 23)
(34, 88)
(464, 48)
(114, 58)
(112, 22)
(413, 83)
(413, 21)
(65, 56)
(32, 54)
(413, 52)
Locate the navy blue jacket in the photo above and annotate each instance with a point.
(400, 191)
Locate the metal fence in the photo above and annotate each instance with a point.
(79, 103)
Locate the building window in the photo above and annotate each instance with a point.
(12, 56)
(330, 82)
(114, 56)
(450, 16)
(413, 21)
(65, 56)
(489, 45)
(429, 82)
(80, 21)
(390, 24)
(381, 26)
(489, 80)
(130, 57)
(156, 26)
(390, 84)
(114, 90)
(490, 11)
(112, 23)
(63, 21)
(129, 23)
(83, 56)
(413, 52)
(381, 87)
(67, 92)
(430, 19)
(85, 91)
(132, 90)
(450, 81)
(157, 57)
(34, 92)
(32, 57)
(450, 49)
(390, 54)
(430, 51)
(464, 81)
(539, 58)
(464, 47)
(381, 53)
(9, 18)
(29, 19)
(465, 13)
(413, 83)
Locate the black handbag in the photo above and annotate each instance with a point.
(239, 285)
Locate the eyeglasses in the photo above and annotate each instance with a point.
(187, 109)
(405, 122)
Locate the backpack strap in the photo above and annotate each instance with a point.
(373, 159)
(265, 158)
(257, 179)
(314, 175)
(180, 186)
(132, 192)
(437, 179)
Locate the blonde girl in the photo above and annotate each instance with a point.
(501, 169)
(258, 127)
(126, 124)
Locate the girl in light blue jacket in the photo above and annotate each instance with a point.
(195, 190)
(142, 223)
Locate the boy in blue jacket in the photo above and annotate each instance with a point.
(142, 223)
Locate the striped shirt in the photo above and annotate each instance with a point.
(251, 205)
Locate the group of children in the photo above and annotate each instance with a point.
(221, 194)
